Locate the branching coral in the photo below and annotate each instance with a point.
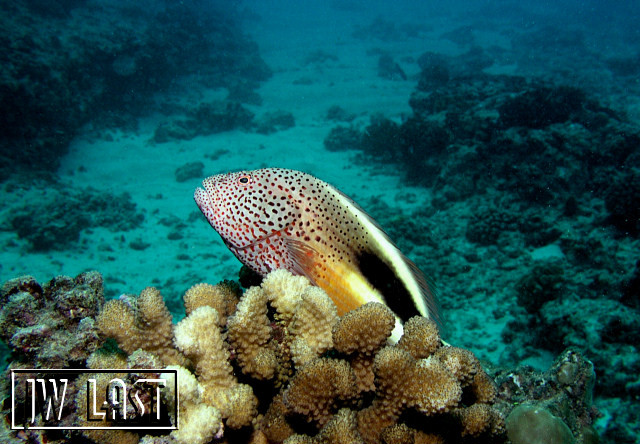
(405, 382)
(361, 333)
(341, 428)
(250, 334)
(311, 326)
(145, 324)
(417, 375)
(197, 340)
(279, 332)
(275, 425)
(298, 331)
(421, 337)
(199, 422)
(478, 419)
(85, 397)
(200, 339)
(402, 383)
(402, 434)
(318, 387)
(284, 292)
(460, 362)
(223, 297)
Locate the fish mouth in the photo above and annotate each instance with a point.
(202, 199)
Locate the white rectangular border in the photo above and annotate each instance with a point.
(100, 370)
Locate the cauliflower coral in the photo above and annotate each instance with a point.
(279, 360)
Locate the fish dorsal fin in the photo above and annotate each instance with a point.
(429, 291)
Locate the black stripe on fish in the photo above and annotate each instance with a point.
(384, 279)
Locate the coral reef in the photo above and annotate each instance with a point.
(381, 139)
(359, 334)
(286, 347)
(623, 203)
(339, 114)
(51, 326)
(302, 322)
(605, 328)
(60, 73)
(542, 106)
(205, 119)
(59, 219)
(198, 336)
(223, 297)
(389, 68)
(556, 404)
(423, 137)
(416, 144)
(342, 138)
(318, 388)
(188, 171)
(488, 223)
(84, 397)
(566, 188)
(427, 380)
(541, 285)
(278, 365)
(141, 323)
(200, 422)
(472, 133)
(274, 121)
(250, 332)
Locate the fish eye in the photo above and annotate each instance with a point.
(244, 180)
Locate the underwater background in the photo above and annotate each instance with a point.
(496, 142)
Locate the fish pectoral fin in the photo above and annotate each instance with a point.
(340, 280)
(304, 257)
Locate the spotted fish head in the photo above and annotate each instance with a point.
(247, 207)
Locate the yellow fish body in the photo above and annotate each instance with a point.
(275, 218)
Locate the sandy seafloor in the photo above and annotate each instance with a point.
(127, 162)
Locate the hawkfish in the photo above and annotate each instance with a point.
(275, 218)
